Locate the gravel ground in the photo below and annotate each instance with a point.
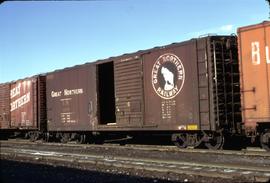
(31, 172)
(13, 171)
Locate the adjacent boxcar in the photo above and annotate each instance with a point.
(28, 105)
(4, 106)
(254, 57)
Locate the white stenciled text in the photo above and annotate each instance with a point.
(15, 91)
(66, 92)
(256, 53)
(20, 101)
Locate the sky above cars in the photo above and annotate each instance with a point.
(42, 36)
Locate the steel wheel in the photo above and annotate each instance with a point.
(179, 140)
(265, 140)
(80, 139)
(215, 142)
(65, 137)
(46, 137)
(33, 136)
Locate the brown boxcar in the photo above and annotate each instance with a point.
(27, 99)
(183, 87)
(5, 106)
(254, 56)
(71, 99)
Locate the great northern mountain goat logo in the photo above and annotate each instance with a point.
(168, 76)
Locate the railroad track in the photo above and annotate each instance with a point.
(250, 165)
(250, 151)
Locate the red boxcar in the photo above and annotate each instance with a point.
(28, 104)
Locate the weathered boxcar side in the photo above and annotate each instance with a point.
(23, 104)
(254, 42)
(192, 88)
(28, 106)
(71, 101)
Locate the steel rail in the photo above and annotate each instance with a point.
(166, 148)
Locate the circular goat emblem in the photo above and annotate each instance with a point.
(168, 76)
